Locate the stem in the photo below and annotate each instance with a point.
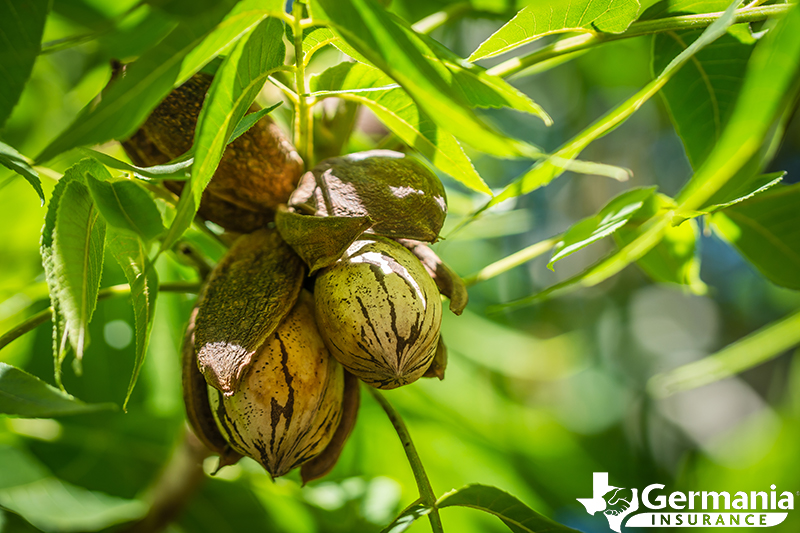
(645, 27)
(752, 350)
(303, 125)
(425, 490)
(29, 325)
(290, 94)
(512, 261)
(192, 255)
(440, 18)
(115, 290)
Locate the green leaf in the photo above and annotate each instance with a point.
(24, 395)
(401, 115)
(316, 38)
(124, 204)
(127, 101)
(73, 239)
(21, 29)
(407, 517)
(142, 278)
(701, 97)
(182, 8)
(766, 231)
(550, 17)
(666, 8)
(177, 170)
(674, 259)
(771, 83)
(480, 88)
(594, 168)
(515, 514)
(13, 160)
(52, 505)
(733, 193)
(401, 54)
(79, 241)
(473, 84)
(550, 168)
(348, 50)
(765, 344)
(50, 262)
(609, 219)
(249, 120)
(233, 90)
(242, 19)
(649, 235)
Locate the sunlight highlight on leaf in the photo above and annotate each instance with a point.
(550, 17)
(128, 100)
(233, 90)
(400, 53)
(401, 115)
(609, 219)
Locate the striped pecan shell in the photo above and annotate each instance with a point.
(288, 405)
(379, 312)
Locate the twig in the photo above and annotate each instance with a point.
(29, 325)
(423, 484)
(514, 260)
(440, 18)
(637, 29)
(115, 290)
(303, 125)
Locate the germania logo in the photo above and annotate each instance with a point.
(681, 509)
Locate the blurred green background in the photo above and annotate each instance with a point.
(534, 400)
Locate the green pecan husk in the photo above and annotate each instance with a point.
(288, 405)
(379, 312)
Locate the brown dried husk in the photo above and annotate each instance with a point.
(258, 171)
(195, 399)
(400, 195)
(450, 284)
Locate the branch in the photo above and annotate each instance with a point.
(303, 125)
(637, 29)
(423, 484)
(514, 260)
(116, 290)
(438, 19)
